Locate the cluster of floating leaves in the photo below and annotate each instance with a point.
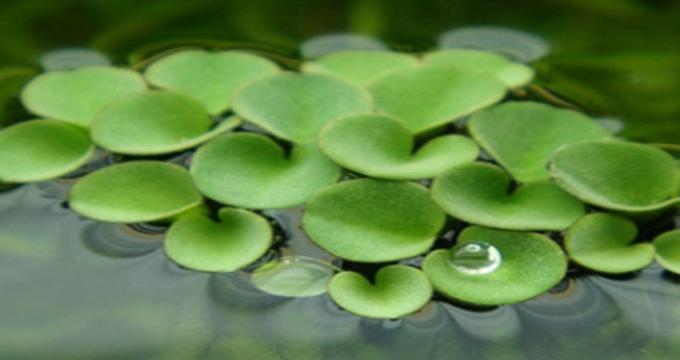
(384, 150)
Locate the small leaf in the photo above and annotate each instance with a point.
(293, 276)
(479, 194)
(398, 291)
(155, 122)
(238, 238)
(321, 45)
(360, 67)
(39, 150)
(252, 171)
(531, 264)
(503, 132)
(136, 191)
(617, 175)
(667, 246)
(76, 96)
(604, 242)
(295, 107)
(369, 220)
(427, 97)
(511, 74)
(209, 77)
(380, 146)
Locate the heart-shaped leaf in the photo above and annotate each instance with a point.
(617, 175)
(398, 291)
(360, 67)
(530, 265)
(76, 96)
(209, 77)
(511, 74)
(238, 238)
(479, 193)
(155, 122)
(295, 107)
(517, 45)
(42, 149)
(427, 97)
(503, 132)
(369, 220)
(667, 248)
(380, 146)
(321, 45)
(252, 171)
(293, 276)
(604, 242)
(136, 191)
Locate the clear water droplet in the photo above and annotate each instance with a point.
(293, 276)
(475, 258)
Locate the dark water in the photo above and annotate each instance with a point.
(74, 288)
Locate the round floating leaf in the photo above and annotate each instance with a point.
(380, 146)
(155, 122)
(42, 149)
(136, 191)
(295, 107)
(398, 291)
(604, 242)
(360, 67)
(252, 171)
(325, 44)
(503, 132)
(531, 264)
(517, 45)
(667, 247)
(511, 74)
(620, 176)
(75, 96)
(72, 58)
(427, 97)
(209, 77)
(238, 238)
(479, 193)
(293, 276)
(369, 220)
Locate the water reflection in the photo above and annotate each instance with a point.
(76, 288)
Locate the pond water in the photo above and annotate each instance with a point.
(81, 289)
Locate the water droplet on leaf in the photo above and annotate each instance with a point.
(475, 258)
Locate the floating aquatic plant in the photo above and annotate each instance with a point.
(42, 149)
(76, 96)
(605, 242)
(155, 122)
(342, 140)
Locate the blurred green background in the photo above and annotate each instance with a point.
(615, 58)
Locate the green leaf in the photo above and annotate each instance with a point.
(76, 96)
(380, 146)
(238, 238)
(252, 171)
(522, 136)
(369, 220)
(617, 175)
(295, 107)
(512, 74)
(209, 77)
(398, 291)
(155, 122)
(39, 150)
(360, 67)
(479, 193)
(136, 191)
(293, 276)
(667, 246)
(427, 97)
(531, 264)
(604, 242)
